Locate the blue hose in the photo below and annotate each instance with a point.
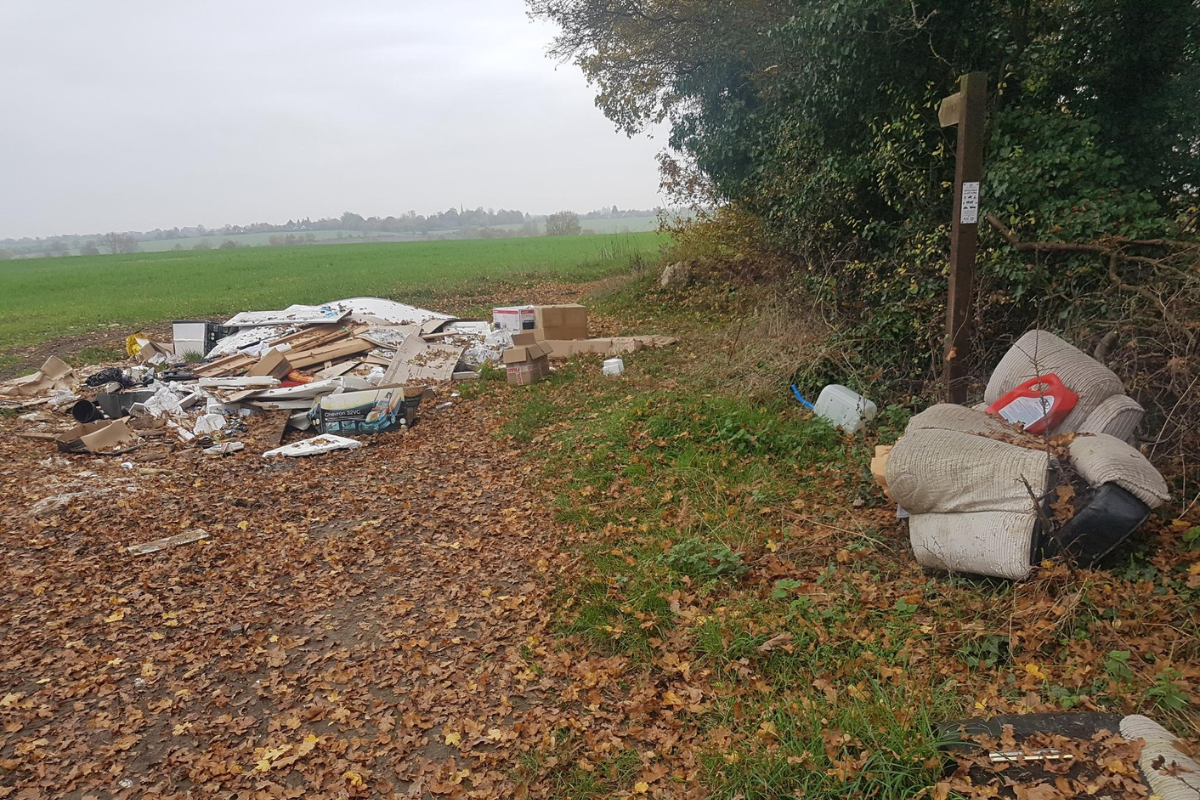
(800, 397)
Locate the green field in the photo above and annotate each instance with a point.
(45, 298)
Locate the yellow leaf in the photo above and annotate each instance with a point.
(1033, 670)
(117, 616)
(772, 546)
(263, 765)
(243, 525)
(355, 779)
(453, 738)
(641, 787)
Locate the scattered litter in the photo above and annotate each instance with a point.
(613, 367)
(54, 377)
(165, 402)
(419, 361)
(359, 365)
(314, 446)
(261, 382)
(187, 537)
(86, 411)
(293, 315)
(1046, 472)
(209, 424)
(224, 449)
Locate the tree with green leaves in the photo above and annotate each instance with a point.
(817, 121)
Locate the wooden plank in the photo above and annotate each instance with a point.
(970, 110)
(187, 537)
(331, 352)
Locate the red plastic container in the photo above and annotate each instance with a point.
(1040, 404)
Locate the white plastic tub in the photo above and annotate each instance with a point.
(844, 408)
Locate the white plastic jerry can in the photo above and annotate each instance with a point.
(844, 408)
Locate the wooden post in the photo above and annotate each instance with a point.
(967, 109)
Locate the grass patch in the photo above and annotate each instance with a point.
(97, 354)
(726, 541)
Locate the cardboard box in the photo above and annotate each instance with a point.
(527, 361)
(371, 411)
(561, 322)
(514, 318)
(273, 364)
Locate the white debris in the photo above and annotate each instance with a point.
(209, 424)
(314, 446)
(224, 449)
(164, 403)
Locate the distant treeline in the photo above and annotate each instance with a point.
(464, 223)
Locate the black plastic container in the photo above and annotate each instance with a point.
(1108, 518)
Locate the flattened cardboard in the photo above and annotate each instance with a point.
(418, 361)
(97, 437)
(273, 364)
(374, 411)
(53, 376)
(605, 347)
(621, 345)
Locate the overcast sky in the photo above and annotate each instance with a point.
(123, 115)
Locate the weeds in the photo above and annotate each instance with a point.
(725, 535)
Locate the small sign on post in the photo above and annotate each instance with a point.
(967, 109)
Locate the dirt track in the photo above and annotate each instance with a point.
(356, 624)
